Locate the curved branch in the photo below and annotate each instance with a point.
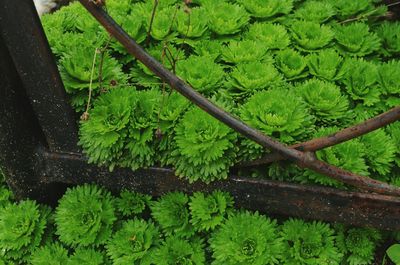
(300, 158)
(333, 139)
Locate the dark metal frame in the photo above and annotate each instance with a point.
(38, 143)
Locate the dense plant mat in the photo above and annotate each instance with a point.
(91, 226)
(295, 70)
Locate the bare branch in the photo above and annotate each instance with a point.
(333, 139)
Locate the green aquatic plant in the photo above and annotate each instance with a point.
(247, 238)
(85, 216)
(225, 18)
(6, 195)
(238, 51)
(311, 36)
(167, 54)
(389, 77)
(326, 64)
(381, 151)
(131, 203)
(355, 39)
(140, 148)
(51, 254)
(172, 214)
(80, 73)
(172, 108)
(175, 250)
(162, 23)
(247, 78)
(346, 9)
(210, 48)
(309, 243)
(133, 24)
(87, 256)
(318, 11)
(350, 155)
(389, 32)
(209, 211)
(103, 135)
(22, 225)
(292, 64)
(191, 24)
(267, 8)
(272, 36)
(202, 73)
(133, 243)
(277, 113)
(325, 100)
(204, 147)
(358, 244)
(394, 131)
(360, 81)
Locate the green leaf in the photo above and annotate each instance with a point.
(52, 254)
(192, 24)
(202, 73)
(247, 238)
(358, 244)
(225, 18)
(393, 253)
(356, 39)
(238, 52)
(23, 226)
(272, 36)
(85, 216)
(247, 78)
(172, 214)
(175, 250)
(292, 64)
(205, 148)
(325, 100)
(131, 203)
(311, 36)
(309, 243)
(318, 11)
(209, 211)
(346, 9)
(361, 80)
(87, 256)
(389, 77)
(326, 64)
(133, 243)
(267, 8)
(350, 155)
(102, 137)
(389, 32)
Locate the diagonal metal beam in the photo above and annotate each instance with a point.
(26, 42)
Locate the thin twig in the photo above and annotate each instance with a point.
(394, 4)
(153, 14)
(85, 115)
(368, 14)
(187, 10)
(333, 139)
(300, 158)
(101, 64)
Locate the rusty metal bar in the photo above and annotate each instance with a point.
(300, 158)
(333, 139)
(267, 196)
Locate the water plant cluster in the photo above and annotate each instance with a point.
(91, 226)
(293, 69)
